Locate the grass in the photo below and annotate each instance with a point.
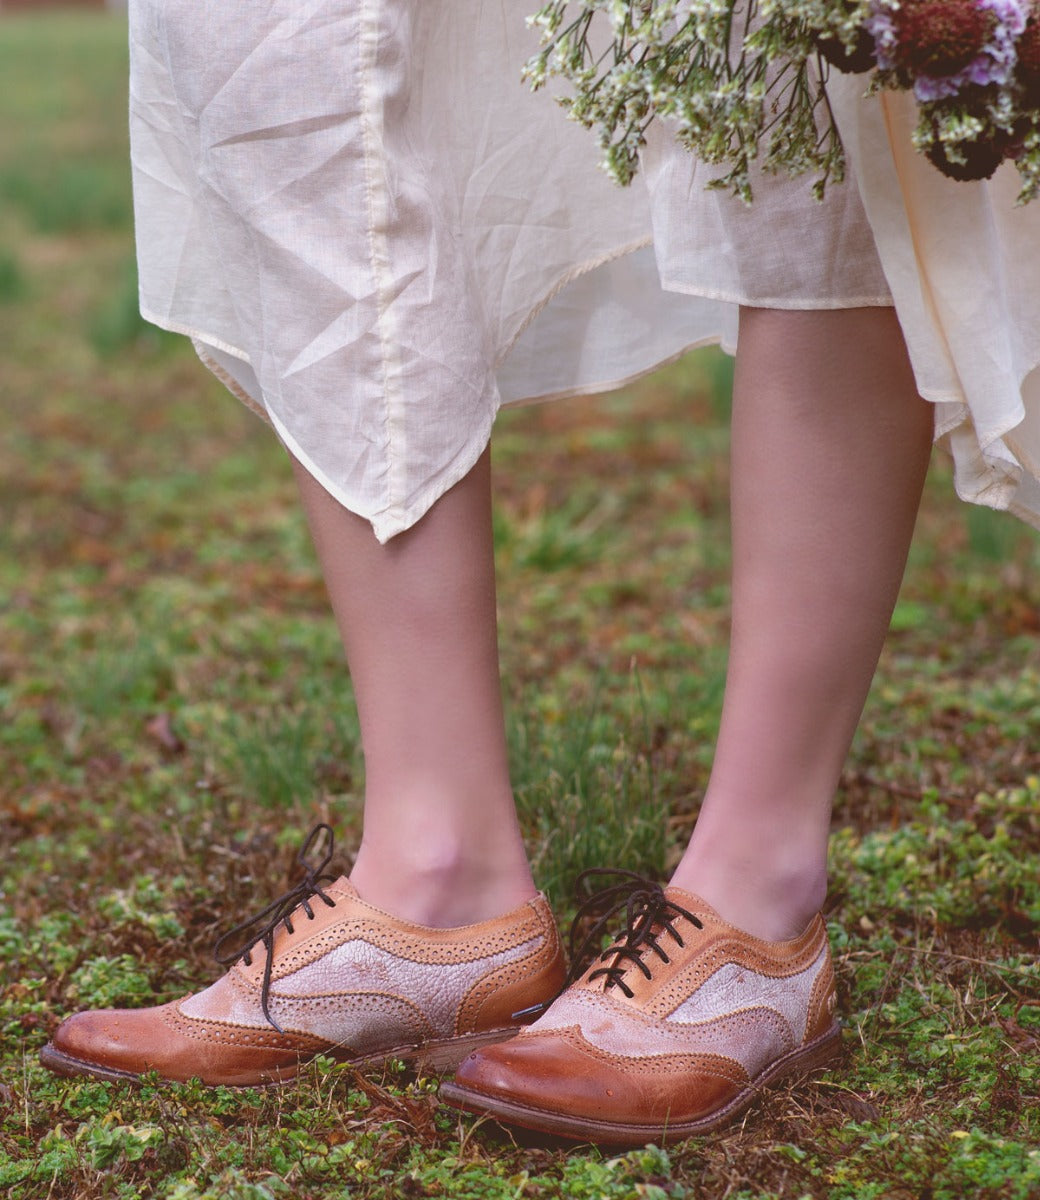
(174, 713)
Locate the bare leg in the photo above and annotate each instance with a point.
(441, 844)
(830, 447)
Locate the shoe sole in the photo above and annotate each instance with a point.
(821, 1052)
(435, 1057)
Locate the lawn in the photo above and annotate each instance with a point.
(175, 716)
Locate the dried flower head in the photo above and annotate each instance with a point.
(1029, 52)
(940, 37)
(965, 161)
(943, 46)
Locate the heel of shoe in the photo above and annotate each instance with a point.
(822, 1051)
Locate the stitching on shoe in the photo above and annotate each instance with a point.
(750, 1035)
(604, 1004)
(706, 960)
(822, 999)
(717, 1066)
(245, 1036)
(294, 1008)
(504, 976)
(410, 947)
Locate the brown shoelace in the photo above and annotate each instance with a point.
(648, 915)
(261, 928)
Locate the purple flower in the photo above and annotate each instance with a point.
(943, 46)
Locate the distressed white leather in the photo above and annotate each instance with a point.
(327, 998)
(733, 988)
(736, 1012)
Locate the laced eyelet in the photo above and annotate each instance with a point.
(649, 914)
(261, 929)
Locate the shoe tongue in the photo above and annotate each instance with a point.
(624, 965)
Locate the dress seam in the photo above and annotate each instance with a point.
(564, 281)
(785, 303)
(189, 331)
(378, 248)
(256, 407)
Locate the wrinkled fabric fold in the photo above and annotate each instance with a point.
(376, 236)
(963, 263)
(357, 213)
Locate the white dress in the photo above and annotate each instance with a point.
(376, 237)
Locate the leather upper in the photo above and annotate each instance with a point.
(691, 1039)
(351, 981)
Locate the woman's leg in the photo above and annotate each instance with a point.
(830, 447)
(356, 971)
(678, 1028)
(441, 844)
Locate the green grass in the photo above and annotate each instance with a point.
(12, 279)
(174, 713)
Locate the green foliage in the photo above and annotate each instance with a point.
(229, 1185)
(117, 323)
(586, 786)
(956, 869)
(275, 757)
(73, 197)
(990, 534)
(108, 983)
(110, 1145)
(145, 902)
(12, 278)
(117, 679)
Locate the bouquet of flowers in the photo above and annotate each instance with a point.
(743, 81)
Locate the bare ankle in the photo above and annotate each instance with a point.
(768, 899)
(442, 886)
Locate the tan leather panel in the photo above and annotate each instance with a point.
(563, 1074)
(157, 1039)
(823, 1003)
(516, 986)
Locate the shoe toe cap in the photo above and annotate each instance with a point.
(560, 1081)
(122, 1044)
(109, 1042)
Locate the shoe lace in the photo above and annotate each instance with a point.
(649, 915)
(261, 928)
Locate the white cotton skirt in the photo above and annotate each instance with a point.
(376, 237)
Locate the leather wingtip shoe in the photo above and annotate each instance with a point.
(670, 1033)
(331, 975)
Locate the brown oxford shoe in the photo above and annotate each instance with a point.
(670, 1033)
(331, 975)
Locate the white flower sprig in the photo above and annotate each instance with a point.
(737, 81)
(742, 82)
